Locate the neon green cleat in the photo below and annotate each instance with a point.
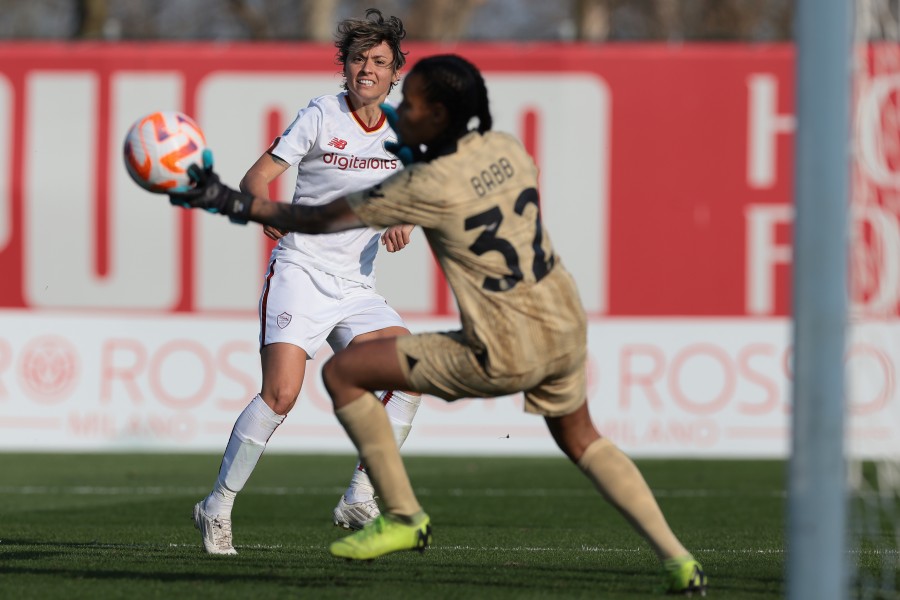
(685, 576)
(384, 535)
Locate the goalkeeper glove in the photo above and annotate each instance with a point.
(406, 154)
(210, 194)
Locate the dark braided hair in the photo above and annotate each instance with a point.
(456, 83)
(356, 36)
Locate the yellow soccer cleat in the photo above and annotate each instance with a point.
(386, 534)
(684, 576)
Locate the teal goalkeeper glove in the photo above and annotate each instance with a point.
(210, 194)
(406, 154)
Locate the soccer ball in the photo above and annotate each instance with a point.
(160, 147)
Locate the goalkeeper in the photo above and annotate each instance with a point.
(474, 193)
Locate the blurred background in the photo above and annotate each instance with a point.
(434, 20)
(664, 133)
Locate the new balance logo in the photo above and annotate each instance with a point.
(338, 143)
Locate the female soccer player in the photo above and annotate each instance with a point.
(475, 194)
(321, 288)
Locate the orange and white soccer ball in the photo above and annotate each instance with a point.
(160, 147)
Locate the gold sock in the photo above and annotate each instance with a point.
(621, 483)
(368, 426)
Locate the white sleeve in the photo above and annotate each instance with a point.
(292, 145)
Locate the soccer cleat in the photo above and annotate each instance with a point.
(216, 532)
(684, 576)
(355, 516)
(382, 536)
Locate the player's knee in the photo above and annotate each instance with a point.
(339, 381)
(281, 397)
(329, 376)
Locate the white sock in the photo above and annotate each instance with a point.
(401, 410)
(251, 432)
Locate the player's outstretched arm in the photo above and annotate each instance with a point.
(327, 218)
(210, 194)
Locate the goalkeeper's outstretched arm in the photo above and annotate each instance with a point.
(210, 194)
(327, 218)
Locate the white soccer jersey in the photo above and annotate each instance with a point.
(335, 154)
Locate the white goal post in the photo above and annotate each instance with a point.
(844, 490)
(816, 559)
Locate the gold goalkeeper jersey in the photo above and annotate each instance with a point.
(479, 208)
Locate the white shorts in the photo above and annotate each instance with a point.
(308, 307)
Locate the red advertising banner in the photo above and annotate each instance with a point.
(666, 172)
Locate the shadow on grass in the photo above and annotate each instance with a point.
(305, 569)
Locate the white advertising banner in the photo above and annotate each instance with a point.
(658, 387)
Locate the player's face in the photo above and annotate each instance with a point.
(370, 74)
(419, 121)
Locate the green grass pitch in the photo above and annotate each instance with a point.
(118, 526)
